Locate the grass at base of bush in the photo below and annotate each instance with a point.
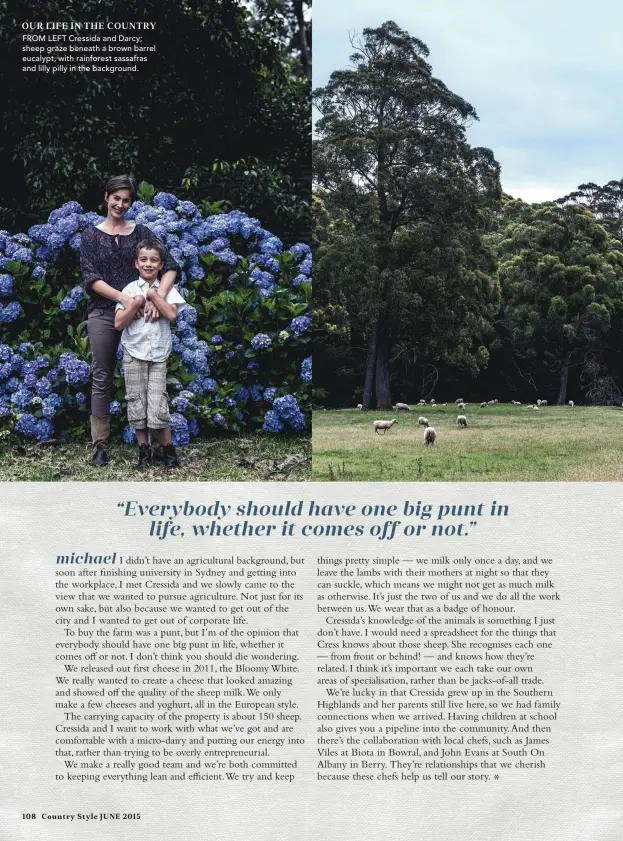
(250, 458)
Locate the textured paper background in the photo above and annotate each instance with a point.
(576, 798)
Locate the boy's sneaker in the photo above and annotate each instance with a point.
(144, 457)
(169, 457)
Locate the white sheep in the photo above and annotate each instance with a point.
(461, 420)
(537, 408)
(359, 406)
(516, 402)
(422, 403)
(543, 402)
(538, 402)
(571, 403)
(529, 406)
(384, 425)
(484, 405)
(460, 400)
(460, 405)
(432, 402)
(422, 421)
(402, 406)
(429, 436)
(444, 404)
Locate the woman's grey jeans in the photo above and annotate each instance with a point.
(104, 341)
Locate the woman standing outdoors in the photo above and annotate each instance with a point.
(107, 255)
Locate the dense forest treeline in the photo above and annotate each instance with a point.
(431, 281)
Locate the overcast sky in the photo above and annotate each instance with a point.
(545, 77)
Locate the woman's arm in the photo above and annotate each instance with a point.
(107, 291)
(128, 314)
(165, 309)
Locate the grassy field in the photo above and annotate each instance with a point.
(503, 443)
(253, 458)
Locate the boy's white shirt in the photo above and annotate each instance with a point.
(149, 340)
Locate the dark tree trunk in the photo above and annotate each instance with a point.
(368, 388)
(383, 391)
(303, 45)
(564, 379)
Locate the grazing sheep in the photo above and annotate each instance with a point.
(444, 404)
(429, 436)
(422, 403)
(529, 406)
(432, 402)
(461, 420)
(402, 406)
(538, 402)
(516, 402)
(484, 405)
(460, 400)
(422, 421)
(359, 406)
(571, 403)
(543, 402)
(460, 406)
(537, 408)
(384, 425)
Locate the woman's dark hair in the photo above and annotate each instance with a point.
(121, 182)
(154, 243)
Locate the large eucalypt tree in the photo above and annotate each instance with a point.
(391, 152)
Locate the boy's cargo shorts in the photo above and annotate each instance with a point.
(146, 393)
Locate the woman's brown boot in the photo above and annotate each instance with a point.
(100, 433)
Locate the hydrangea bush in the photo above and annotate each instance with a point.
(241, 349)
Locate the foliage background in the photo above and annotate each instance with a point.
(220, 112)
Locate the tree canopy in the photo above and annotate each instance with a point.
(392, 158)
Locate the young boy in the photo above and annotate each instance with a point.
(146, 348)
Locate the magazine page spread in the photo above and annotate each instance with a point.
(332, 666)
(242, 601)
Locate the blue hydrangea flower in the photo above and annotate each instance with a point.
(242, 394)
(256, 392)
(51, 404)
(5, 353)
(217, 339)
(253, 366)
(165, 200)
(179, 430)
(272, 422)
(11, 312)
(219, 419)
(288, 410)
(43, 386)
(193, 428)
(80, 398)
(5, 371)
(6, 285)
(26, 425)
(300, 324)
(180, 403)
(270, 393)
(306, 370)
(261, 341)
(209, 385)
(25, 347)
(115, 407)
(44, 430)
(129, 435)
